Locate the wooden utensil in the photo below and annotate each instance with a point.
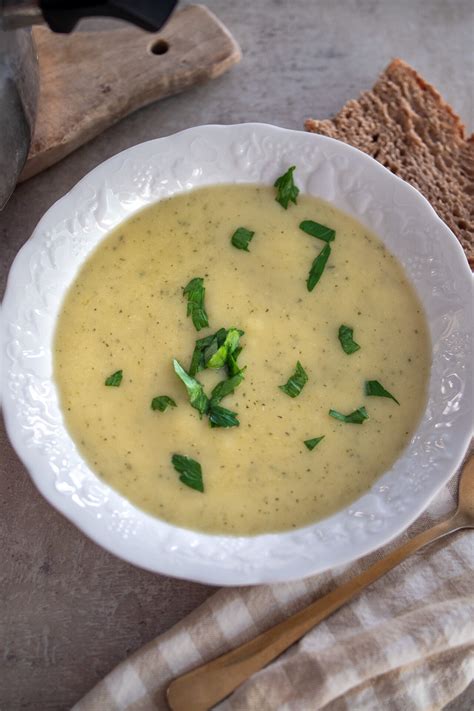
(90, 80)
(203, 687)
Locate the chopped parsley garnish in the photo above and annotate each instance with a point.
(231, 342)
(233, 367)
(215, 351)
(204, 349)
(312, 443)
(222, 417)
(347, 342)
(241, 238)
(190, 472)
(226, 387)
(195, 291)
(317, 267)
(355, 418)
(197, 397)
(296, 383)
(162, 402)
(373, 387)
(316, 230)
(115, 379)
(286, 188)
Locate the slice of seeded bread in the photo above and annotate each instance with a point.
(406, 125)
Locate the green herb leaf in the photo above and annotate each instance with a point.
(115, 379)
(206, 347)
(355, 418)
(222, 417)
(286, 188)
(317, 267)
(231, 342)
(215, 344)
(195, 291)
(316, 230)
(347, 342)
(373, 387)
(197, 397)
(296, 383)
(197, 360)
(189, 470)
(312, 443)
(162, 402)
(233, 367)
(241, 238)
(226, 387)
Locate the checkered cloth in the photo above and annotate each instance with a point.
(405, 644)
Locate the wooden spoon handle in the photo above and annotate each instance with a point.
(204, 686)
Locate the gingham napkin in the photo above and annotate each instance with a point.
(405, 644)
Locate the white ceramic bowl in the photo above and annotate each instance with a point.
(206, 155)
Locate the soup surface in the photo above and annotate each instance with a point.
(126, 311)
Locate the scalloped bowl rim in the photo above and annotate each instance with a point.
(256, 153)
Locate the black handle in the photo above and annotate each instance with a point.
(148, 14)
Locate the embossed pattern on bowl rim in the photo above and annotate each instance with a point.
(205, 155)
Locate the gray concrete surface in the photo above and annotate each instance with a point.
(69, 611)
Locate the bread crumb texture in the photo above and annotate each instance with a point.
(405, 124)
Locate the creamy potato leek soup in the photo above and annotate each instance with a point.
(241, 359)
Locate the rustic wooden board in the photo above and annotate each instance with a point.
(90, 80)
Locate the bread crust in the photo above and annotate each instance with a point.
(405, 124)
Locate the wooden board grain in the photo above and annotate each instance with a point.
(90, 80)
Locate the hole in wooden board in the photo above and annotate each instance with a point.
(161, 46)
